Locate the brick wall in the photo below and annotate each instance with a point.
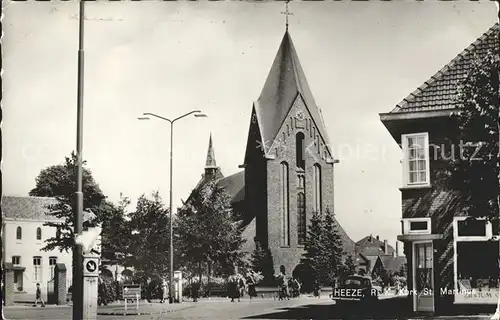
(285, 150)
(437, 202)
(60, 283)
(8, 279)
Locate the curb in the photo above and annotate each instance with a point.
(132, 313)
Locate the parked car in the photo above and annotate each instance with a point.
(354, 290)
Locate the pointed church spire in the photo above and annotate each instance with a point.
(211, 168)
(285, 81)
(210, 163)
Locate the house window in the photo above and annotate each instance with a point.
(39, 233)
(19, 233)
(416, 158)
(471, 228)
(418, 225)
(317, 188)
(299, 138)
(285, 221)
(37, 268)
(52, 266)
(16, 260)
(301, 218)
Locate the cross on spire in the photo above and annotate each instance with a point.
(287, 13)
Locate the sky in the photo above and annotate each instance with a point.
(169, 58)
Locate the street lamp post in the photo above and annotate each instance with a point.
(78, 204)
(197, 113)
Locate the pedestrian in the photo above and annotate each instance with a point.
(251, 287)
(233, 289)
(317, 289)
(2, 301)
(38, 296)
(241, 287)
(195, 290)
(164, 291)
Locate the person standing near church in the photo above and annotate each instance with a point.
(164, 291)
(38, 296)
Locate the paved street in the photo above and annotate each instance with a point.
(303, 308)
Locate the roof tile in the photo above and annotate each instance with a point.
(439, 91)
(31, 208)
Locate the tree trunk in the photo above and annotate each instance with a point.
(199, 272)
(209, 285)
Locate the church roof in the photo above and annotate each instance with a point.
(439, 92)
(27, 208)
(285, 81)
(234, 185)
(349, 245)
(210, 162)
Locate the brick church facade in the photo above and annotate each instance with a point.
(288, 165)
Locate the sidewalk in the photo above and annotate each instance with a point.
(144, 308)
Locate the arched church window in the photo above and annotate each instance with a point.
(317, 188)
(19, 233)
(301, 181)
(285, 212)
(299, 144)
(301, 218)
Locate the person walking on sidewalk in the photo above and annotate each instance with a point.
(1, 301)
(38, 296)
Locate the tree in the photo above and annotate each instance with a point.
(324, 253)
(116, 233)
(149, 238)
(475, 174)
(349, 267)
(59, 182)
(333, 248)
(207, 233)
(262, 262)
(313, 256)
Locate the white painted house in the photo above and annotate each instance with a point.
(23, 237)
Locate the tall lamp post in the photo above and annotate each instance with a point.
(197, 113)
(78, 204)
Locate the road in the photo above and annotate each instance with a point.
(257, 309)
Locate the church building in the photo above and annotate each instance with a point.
(288, 165)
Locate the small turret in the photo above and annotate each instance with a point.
(210, 165)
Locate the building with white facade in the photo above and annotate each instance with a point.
(24, 236)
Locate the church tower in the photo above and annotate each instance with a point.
(210, 164)
(288, 161)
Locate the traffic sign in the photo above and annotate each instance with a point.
(91, 266)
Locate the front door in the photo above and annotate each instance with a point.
(423, 276)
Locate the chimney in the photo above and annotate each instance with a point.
(370, 239)
(397, 249)
(386, 247)
(378, 237)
